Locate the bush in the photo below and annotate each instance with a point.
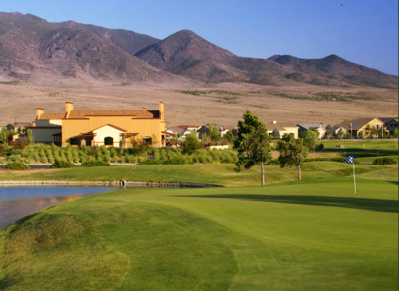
(176, 161)
(384, 161)
(151, 162)
(94, 163)
(62, 164)
(16, 166)
(319, 147)
(14, 158)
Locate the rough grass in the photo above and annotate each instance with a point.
(309, 235)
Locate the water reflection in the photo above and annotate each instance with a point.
(17, 202)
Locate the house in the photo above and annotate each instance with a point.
(184, 129)
(321, 128)
(283, 129)
(118, 128)
(359, 127)
(14, 126)
(390, 123)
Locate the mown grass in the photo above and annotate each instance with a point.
(309, 235)
(213, 174)
(374, 145)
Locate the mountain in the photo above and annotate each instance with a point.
(333, 66)
(129, 41)
(35, 50)
(187, 54)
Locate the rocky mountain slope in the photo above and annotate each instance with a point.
(35, 50)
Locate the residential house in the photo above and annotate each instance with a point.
(359, 127)
(14, 126)
(118, 128)
(390, 123)
(283, 129)
(321, 128)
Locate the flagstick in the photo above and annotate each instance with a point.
(354, 177)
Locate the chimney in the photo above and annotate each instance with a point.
(161, 112)
(39, 112)
(68, 108)
(33, 123)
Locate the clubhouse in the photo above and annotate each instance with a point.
(118, 128)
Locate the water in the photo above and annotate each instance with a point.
(17, 202)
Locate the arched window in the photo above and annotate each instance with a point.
(108, 141)
(147, 140)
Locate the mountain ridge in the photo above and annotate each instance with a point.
(34, 50)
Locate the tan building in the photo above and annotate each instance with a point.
(361, 128)
(118, 128)
(282, 129)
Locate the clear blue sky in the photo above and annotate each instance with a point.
(361, 31)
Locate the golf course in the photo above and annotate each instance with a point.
(313, 234)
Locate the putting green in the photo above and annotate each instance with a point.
(308, 235)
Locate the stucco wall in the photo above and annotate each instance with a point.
(151, 127)
(107, 131)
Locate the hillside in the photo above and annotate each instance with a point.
(37, 51)
(187, 54)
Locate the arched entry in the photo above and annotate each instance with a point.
(108, 140)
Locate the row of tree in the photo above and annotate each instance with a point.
(253, 144)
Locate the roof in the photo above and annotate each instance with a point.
(20, 124)
(48, 116)
(387, 119)
(312, 125)
(279, 126)
(356, 124)
(137, 113)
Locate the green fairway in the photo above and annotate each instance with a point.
(367, 144)
(310, 235)
(214, 174)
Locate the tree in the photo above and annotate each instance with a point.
(293, 152)
(4, 133)
(309, 138)
(276, 134)
(252, 144)
(29, 136)
(214, 132)
(340, 133)
(329, 131)
(191, 144)
(395, 133)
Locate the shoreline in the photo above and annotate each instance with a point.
(119, 183)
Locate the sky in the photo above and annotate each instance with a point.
(360, 31)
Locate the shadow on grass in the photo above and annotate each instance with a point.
(355, 203)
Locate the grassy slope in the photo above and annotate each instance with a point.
(311, 235)
(218, 174)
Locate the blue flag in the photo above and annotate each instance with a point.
(349, 160)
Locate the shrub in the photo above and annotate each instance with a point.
(151, 162)
(3, 149)
(94, 163)
(176, 161)
(16, 166)
(384, 161)
(14, 158)
(62, 164)
(319, 147)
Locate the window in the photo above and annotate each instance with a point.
(108, 141)
(74, 141)
(147, 140)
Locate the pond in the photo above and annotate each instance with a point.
(17, 202)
